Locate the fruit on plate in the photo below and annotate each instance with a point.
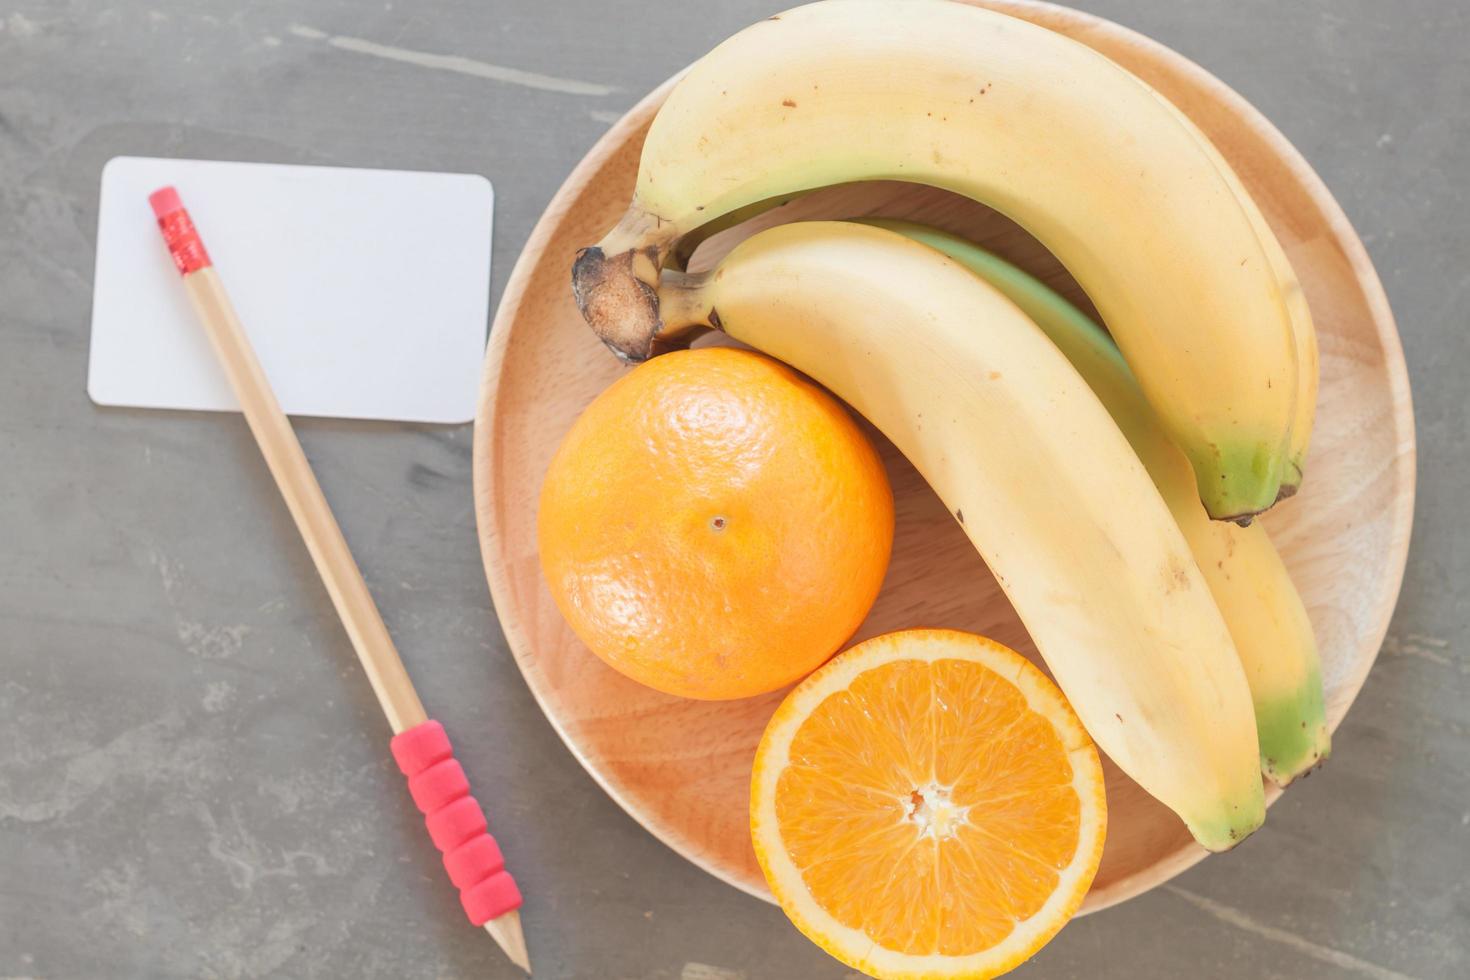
(927, 805)
(1039, 126)
(1028, 460)
(714, 525)
(1246, 576)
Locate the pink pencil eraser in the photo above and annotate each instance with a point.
(420, 747)
(165, 202)
(456, 823)
(491, 898)
(473, 861)
(179, 233)
(438, 786)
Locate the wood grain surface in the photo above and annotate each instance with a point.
(681, 767)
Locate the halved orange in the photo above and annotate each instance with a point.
(927, 805)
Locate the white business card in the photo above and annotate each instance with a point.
(366, 293)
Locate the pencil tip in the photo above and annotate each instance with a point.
(506, 931)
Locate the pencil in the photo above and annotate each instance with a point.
(454, 819)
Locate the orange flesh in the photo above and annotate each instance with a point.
(928, 805)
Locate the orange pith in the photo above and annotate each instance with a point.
(935, 807)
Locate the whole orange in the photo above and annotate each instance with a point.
(714, 525)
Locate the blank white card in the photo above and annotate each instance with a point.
(366, 293)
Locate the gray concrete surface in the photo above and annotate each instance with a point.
(193, 780)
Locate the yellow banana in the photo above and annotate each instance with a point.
(1035, 124)
(1250, 583)
(1303, 330)
(1019, 448)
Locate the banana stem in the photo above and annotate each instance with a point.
(684, 306)
(615, 283)
(684, 249)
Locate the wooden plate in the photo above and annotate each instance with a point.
(681, 768)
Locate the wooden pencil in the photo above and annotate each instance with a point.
(454, 818)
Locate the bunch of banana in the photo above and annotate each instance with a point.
(1250, 585)
(1042, 481)
(1043, 128)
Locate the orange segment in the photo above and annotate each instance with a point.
(927, 805)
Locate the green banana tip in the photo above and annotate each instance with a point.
(1238, 482)
(1223, 831)
(1293, 733)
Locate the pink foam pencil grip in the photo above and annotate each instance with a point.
(456, 823)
